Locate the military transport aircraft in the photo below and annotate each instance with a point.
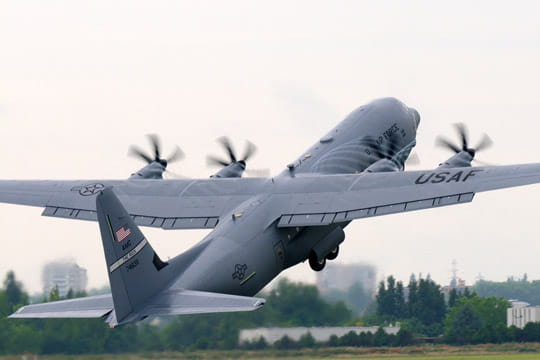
(261, 226)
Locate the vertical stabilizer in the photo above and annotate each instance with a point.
(135, 271)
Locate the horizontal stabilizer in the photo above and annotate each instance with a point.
(87, 307)
(178, 302)
(170, 302)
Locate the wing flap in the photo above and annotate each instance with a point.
(345, 216)
(148, 221)
(377, 194)
(87, 307)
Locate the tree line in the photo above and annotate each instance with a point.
(420, 309)
(462, 318)
(512, 288)
(289, 304)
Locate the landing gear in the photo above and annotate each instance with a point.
(333, 254)
(315, 263)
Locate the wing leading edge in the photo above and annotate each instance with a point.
(308, 200)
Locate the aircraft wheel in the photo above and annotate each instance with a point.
(333, 254)
(316, 264)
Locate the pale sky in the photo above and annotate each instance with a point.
(81, 81)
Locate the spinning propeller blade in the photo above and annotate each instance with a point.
(155, 143)
(461, 129)
(227, 145)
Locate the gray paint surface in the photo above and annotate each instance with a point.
(264, 225)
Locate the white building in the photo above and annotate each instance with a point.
(65, 275)
(521, 313)
(320, 334)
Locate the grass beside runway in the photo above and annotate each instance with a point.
(511, 351)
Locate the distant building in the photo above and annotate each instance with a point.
(320, 334)
(458, 285)
(343, 276)
(521, 313)
(65, 275)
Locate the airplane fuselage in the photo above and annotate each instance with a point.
(247, 249)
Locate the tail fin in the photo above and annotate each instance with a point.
(133, 266)
(137, 275)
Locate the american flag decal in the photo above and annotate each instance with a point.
(122, 233)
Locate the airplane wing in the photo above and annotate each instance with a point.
(305, 200)
(377, 194)
(169, 204)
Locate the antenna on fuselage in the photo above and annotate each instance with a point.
(291, 169)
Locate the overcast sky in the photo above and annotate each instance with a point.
(81, 81)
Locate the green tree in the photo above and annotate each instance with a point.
(477, 320)
(4, 304)
(431, 307)
(390, 300)
(401, 306)
(297, 304)
(286, 343)
(522, 289)
(21, 338)
(54, 294)
(380, 338)
(412, 301)
(404, 337)
(306, 341)
(14, 292)
(350, 339)
(452, 298)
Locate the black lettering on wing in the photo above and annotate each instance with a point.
(422, 179)
(456, 177)
(440, 177)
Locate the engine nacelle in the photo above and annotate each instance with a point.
(154, 170)
(461, 159)
(329, 243)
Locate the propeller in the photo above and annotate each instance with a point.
(227, 145)
(484, 143)
(383, 150)
(177, 153)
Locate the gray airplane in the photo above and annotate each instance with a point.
(261, 226)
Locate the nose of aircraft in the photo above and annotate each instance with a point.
(416, 116)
